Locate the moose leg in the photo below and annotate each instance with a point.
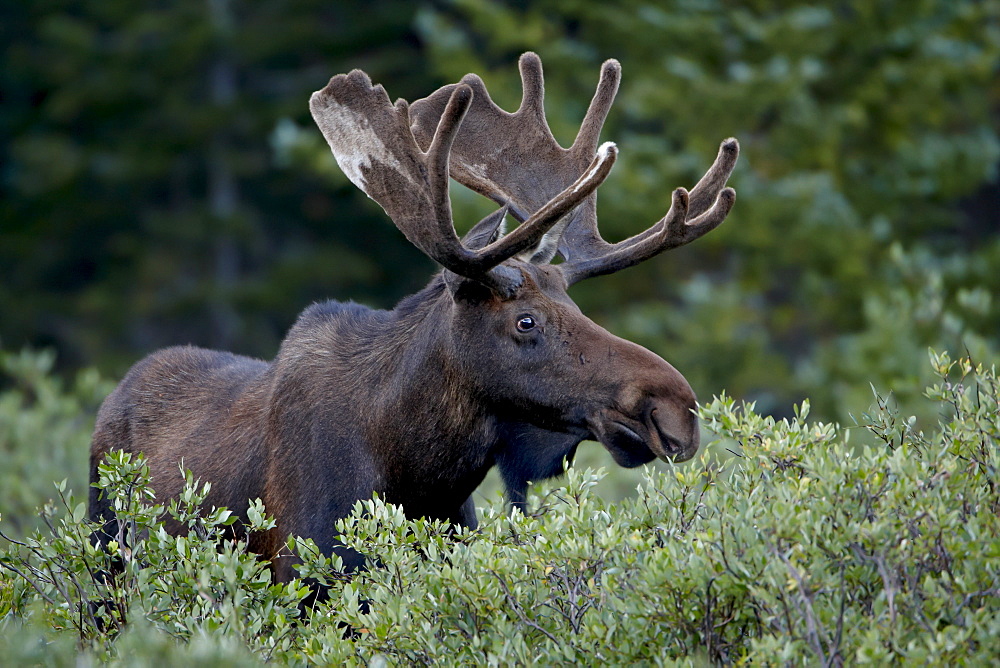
(467, 515)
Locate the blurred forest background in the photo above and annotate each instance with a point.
(161, 181)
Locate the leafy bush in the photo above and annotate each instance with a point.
(205, 583)
(793, 542)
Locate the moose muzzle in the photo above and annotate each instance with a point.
(659, 426)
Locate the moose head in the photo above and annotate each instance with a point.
(491, 364)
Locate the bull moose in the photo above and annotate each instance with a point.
(491, 364)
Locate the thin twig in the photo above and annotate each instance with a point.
(814, 633)
(517, 609)
(11, 540)
(29, 581)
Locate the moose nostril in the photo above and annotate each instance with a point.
(672, 445)
(679, 441)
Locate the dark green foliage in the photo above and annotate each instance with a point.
(789, 543)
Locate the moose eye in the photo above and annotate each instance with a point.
(526, 323)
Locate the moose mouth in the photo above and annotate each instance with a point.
(633, 442)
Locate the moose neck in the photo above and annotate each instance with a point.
(433, 435)
(443, 431)
(425, 434)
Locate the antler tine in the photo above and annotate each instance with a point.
(690, 216)
(532, 86)
(703, 195)
(707, 189)
(445, 246)
(478, 264)
(600, 106)
(372, 142)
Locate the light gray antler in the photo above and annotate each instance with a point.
(514, 158)
(374, 146)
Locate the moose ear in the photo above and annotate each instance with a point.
(468, 290)
(487, 230)
(548, 245)
(482, 234)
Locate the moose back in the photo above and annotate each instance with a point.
(492, 364)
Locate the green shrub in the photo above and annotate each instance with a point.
(790, 543)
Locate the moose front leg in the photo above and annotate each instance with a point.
(467, 515)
